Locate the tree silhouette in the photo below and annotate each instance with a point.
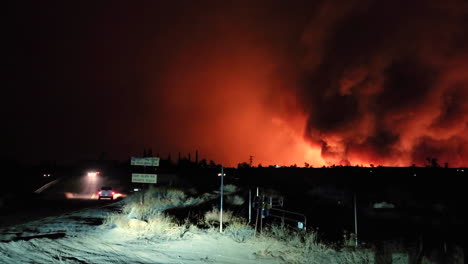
(212, 164)
(203, 163)
(243, 165)
(432, 162)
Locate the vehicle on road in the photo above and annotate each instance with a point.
(106, 192)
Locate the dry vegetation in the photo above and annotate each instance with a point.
(149, 220)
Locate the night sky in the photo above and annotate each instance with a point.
(355, 83)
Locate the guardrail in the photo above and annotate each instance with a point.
(300, 224)
(265, 205)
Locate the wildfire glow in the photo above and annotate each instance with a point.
(340, 88)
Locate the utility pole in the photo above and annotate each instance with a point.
(221, 200)
(251, 160)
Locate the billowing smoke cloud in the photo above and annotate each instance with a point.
(386, 82)
(360, 82)
(322, 82)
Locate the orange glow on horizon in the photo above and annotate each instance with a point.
(233, 92)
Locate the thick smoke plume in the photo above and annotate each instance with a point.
(386, 82)
(381, 82)
(361, 82)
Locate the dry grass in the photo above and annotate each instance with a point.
(303, 247)
(211, 218)
(275, 241)
(148, 218)
(159, 225)
(291, 246)
(157, 200)
(240, 231)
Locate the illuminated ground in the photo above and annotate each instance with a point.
(125, 231)
(80, 237)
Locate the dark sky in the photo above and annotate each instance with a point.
(382, 82)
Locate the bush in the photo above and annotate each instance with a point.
(235, 200)
(165, 193)
(239, 231)
(229, 188)
(211, 218)
(156, 200)
(157, 225)
(303, 247)
(148, 218)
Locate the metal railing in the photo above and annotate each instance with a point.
(283, 217)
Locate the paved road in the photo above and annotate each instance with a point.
(32, 207)
(56, 197)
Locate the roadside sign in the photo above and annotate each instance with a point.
(148, 161)
(144, 178)
(300, 225)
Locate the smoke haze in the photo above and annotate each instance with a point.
(361, 82)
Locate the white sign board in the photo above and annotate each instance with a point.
(144, 178)
(149, 161)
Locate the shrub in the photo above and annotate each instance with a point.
(303, 247)
(229, 188)
(116, 220)
(211, 218)
(164, 193)
(163, 225)
(148, 218)
(157, 225)
(239, 231)
(156, 200)
(235, 200)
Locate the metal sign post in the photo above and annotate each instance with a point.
(257, 206)
(250, 206)
(256, 220)
(355, 220)
(144, 177)
(261, 216)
